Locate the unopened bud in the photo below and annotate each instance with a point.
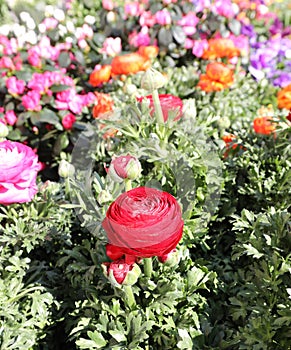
(153, 80)
(120, 273)
(170, 259)
(124, 167)
(104, 197)
(66, 169)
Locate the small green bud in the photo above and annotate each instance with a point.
(153, 80)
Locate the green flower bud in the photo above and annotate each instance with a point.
(153, 80)
(66, 169)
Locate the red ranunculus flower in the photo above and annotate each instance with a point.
(142, 223)
(168, 103)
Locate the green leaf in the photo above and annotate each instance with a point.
(64, 59)
(118, 335)
(250, 250)
(178, 34)
(186, 342)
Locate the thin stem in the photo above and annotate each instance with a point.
(148, 267)
(158, 108)
(130, 299)
(128, 185)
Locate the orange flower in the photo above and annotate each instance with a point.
(263, 125)
(103, 104)
(284, 97)
(148, 51)
(218, 77)
(220, 47)
(100, 76)
(129, 63)
(229, 143)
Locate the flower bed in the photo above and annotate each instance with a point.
(144, 176)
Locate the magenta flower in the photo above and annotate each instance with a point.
(69, 99)
(18, 171)
(139, 39)
(34, 58)
(6, 63)
(31, 101)
(68, 121)
(15, 86)
(10, 117)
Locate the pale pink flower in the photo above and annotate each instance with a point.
(188, 43)
(31, 101)
(10, 117)
(18, 171)
(15, 86)
(163, 17)
(111, 46)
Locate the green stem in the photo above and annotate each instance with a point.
(158, 108)
(130, 299)
(128, 185)
(148, 267)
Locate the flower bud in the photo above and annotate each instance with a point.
(3, 130)
(170, 259)
(104, 196)
(120, 273)
(66, 169)
(153, 80)
(124, 167)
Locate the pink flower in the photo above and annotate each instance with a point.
(163, 17)
(188, 23)
(40, 82)
(133, 9)
(47, 24)
(224, 8)
(10, 117)
(15, 86)
(6, 63)
(147, 19)
(69, 99)
(18, 171)
(199, 47)
(140, 39)
(111, 46)
(34, 58)
(68, 121)
(108, 5)
(31, 101)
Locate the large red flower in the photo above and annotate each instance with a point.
(141, 223)
(168, 103)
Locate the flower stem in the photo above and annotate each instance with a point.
(128, 185)
(158, 108)
(130, 299)
(148, 267)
